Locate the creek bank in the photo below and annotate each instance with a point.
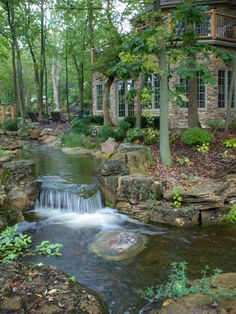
(45, 290)
(199, 303)
(19, 190)
(126, 186)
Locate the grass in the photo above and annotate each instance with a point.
(73, 139)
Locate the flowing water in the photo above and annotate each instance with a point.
(70, 211)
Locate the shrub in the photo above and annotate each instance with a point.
(231, 217)
(233, 124)
(131, 121)
(151, 136)
(177, 198)
(124, 125)
(120, 135)
(10, 125)
(215, 124)
(134, 135)
(106, 131)
(204, 148)
(97, 120)
(196, 136)
(231, 143)
(82, 125)
(184, 161)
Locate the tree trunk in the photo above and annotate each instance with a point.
(80, 72)
(164, 110)
(106, 92)
(67, 84)
(55, 79)
(20, 87)
(91, 42)
(193, 120)
(46, 86)
(137, 99)
(230, 97)
(41, 71)
(164, 96)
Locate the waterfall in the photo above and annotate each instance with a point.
(68, 201)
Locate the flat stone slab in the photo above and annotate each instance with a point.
(77, 151)
(118, 245)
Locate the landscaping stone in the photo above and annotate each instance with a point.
(47, 139)
(204, 196)
(36, 133)
(110, 146)
(118, 245)
(49, 292)
(134, 156)
(112, 167)
(135, 189)
(77, 151)
(21, 186)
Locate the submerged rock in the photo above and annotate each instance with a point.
(118, 245)
(48, 292)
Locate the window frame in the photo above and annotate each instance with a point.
(226, 90)
(97, 85)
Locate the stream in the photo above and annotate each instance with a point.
(117, 282)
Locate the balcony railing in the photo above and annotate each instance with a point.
(217, 26)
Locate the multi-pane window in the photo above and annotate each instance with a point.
(224, 81)
(99, 96)
(125, 101)
(153, 85)
(201, 92)
(204, 29)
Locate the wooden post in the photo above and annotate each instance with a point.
(3, 110)
(213, 24)
(12, 110)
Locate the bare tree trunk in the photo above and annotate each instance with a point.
(230, 97)
(55, 79)
(91, 42)
(164, 96)
(80, 72)
(106, 93)
(193, 120)
(41, 70)
(137, 99)
(67, 84)
(46, 85)
(164, 110)
(20, 87)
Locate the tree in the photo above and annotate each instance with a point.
(230, 96)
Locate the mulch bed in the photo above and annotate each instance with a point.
(203, 165)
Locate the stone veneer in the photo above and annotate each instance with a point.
(178, 116)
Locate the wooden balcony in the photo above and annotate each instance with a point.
(217, 26)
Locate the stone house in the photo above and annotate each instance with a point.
(218, 29)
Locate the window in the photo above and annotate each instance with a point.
(99, 96)
(201, 88)
(125, 101)
(224, 80)
(153, 85)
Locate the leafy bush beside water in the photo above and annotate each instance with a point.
(14, 245)
(179, 285)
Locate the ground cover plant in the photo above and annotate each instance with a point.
(14, 245)
(179, 284)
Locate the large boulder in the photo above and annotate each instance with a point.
(135, 158)
(21, 186)
(135, 189)
(118, 245)
(48, 292)
(36, 133)
(204, 196)
(108, 174)
(110, 146)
